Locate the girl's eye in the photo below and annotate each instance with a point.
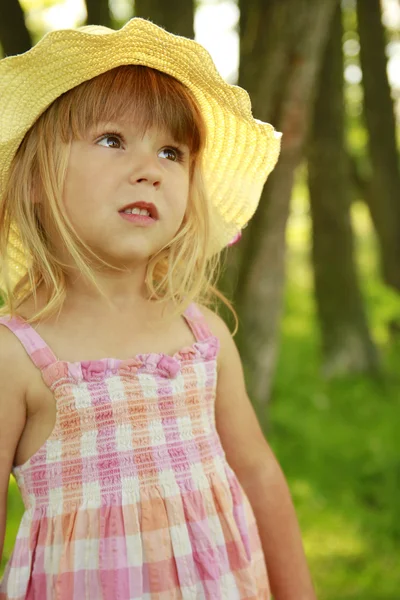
(115, 139)
(173, 153)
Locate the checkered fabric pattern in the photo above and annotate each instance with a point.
(131, 496)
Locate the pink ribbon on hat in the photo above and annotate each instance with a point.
(235, 239)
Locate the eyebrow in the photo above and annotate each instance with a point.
(119, 124)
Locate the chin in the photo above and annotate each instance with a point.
(133, 259)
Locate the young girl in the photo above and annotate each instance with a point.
(126, 165)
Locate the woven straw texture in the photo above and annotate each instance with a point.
(131, 496)
(240, 153)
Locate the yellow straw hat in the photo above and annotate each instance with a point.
(240, 151)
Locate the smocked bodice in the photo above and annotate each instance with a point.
(123, 424)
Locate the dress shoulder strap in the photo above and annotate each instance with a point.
(197, 322)
(42, 356)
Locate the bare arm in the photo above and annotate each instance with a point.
(12, 415)
(260, 475)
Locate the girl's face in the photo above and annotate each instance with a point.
(115, 166)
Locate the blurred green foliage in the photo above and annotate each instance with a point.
(337, 441)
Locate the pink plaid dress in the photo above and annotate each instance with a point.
(131, 496)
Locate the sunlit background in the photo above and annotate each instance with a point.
(216, 25)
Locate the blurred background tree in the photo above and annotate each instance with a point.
(315, 278)
(14, 35)
(98, 12)
(347, 343)
(177, 16)
(384, 199)
(280, 58)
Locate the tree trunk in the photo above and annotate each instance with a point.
(98, 13)
(347, 345)
(176, 17)
(384, 201)
(14, 35)
(281, 46)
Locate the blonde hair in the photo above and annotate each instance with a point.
(181, 271)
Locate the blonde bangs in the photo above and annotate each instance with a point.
(148, 97)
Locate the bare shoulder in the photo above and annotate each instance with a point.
(239, 430)
(213, 319)
(15, 369)
(14, 362)
(13, 385)
(11, 349)
(229, 360)
(220, 329)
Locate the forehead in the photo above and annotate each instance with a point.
(140, 96)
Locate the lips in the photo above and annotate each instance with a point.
(148, 205)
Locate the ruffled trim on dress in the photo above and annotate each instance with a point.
(160, 364)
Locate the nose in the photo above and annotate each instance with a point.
(146, 171)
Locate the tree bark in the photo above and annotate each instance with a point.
(384, 202)
(347, 346)
(176, 17)
(281, 47)
(14, 35)
(98, 13)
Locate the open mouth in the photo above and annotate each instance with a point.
(141, 208)
(139, 218)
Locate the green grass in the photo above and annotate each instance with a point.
(337, 444)
(337, 441)
(14, 512)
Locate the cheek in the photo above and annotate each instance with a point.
(72, 181)
(79, 193)
(70, 199)
(177, 197)
(184, 193)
